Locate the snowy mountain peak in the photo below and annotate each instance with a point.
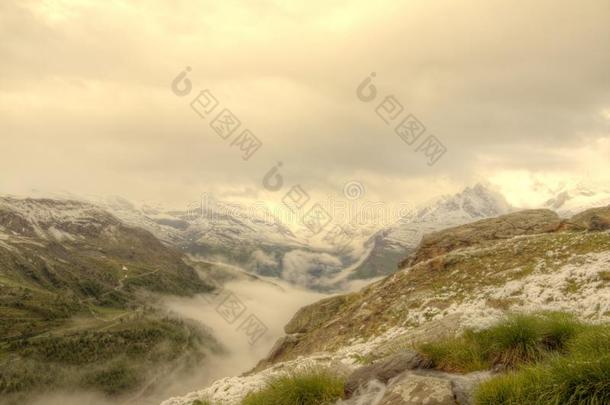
(478, 201)
(49, 218)
(572, 200)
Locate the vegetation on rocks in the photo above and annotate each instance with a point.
(551, 359)
(490, 272)
(516, 340)
(312, 387)
(77, 302)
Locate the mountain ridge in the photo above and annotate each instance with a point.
(533, 261)
(78, 293)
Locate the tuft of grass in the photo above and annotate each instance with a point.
(363, 359)
(578, 375)
(559, 328)
(591, 342)
(313, 387)
(515, 340)
(463, 354)
(565, 380)
(571, 287)
(510, 389)
(201, 402)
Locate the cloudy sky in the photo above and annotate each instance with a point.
(516, 91)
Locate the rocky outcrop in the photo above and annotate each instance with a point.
(383, 370)
(417, 387)
(282, 346)
(471, 262)
(503, 227)
(524, 262)
(594, 219)
(313, 317)
(316, 315)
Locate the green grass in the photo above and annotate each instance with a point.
(564, 380)
(577, 375)
(552, 359)
(113, 360)
(513, 341)
(313, 387)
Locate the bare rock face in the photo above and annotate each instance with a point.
(416, 389)
(465, 385)
(283, 344)
(398, 380)
(527, 222)
(314, 316)
(383, 370)
(308, 318)
(594, 219)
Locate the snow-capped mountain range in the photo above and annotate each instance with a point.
(255, 240)
(569, 201)
(388, 246)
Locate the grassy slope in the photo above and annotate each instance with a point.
(429, 288)
(314, 387)
(551, 359)
(77, 314)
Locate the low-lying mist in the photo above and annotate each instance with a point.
(273, 302)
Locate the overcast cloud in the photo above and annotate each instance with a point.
(513, 89)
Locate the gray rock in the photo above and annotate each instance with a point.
(382, 370)
(369, 394)
(527, 222)
(281, 345)
(594, 219)
(412, 388)
(464, 385)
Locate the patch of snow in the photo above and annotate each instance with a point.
(538, 291)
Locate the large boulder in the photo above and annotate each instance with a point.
(429, 387)
(383, 370)
(527, 222)
(310, 318)
(464, 385)
(594, 219)
(419, 389)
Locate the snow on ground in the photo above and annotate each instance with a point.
(231, 390)
(575, 287)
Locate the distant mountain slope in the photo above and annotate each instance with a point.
(389, 245)
(252, 238)
(481, 268)
(70, 230)
(77, 295)
(216, 231)
(572, 200)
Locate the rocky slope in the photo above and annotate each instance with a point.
(77, 300)
(390, 245)
(216, 231)
(252, 238)
(464, 277)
